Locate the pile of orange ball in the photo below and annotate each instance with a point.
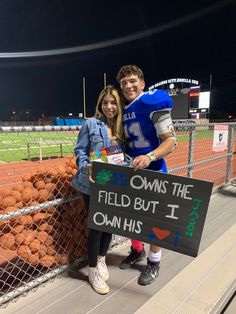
(38, 237)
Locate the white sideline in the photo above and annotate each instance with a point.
(204, 286)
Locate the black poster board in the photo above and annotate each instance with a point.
(157, 208)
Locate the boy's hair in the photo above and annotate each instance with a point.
(130, 69)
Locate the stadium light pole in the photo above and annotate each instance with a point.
(84, 97)
(210, 82)
(210, 87)
(105, 79)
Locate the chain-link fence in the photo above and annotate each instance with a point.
(205, 151)
(18, 123)
(42, 219)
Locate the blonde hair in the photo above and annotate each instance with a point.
(117, 128)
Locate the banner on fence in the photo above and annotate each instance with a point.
(220, 137)
(157, 208)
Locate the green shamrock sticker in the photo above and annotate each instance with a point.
(103, 177)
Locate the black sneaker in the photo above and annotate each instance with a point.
(149, 274)
(132, 258)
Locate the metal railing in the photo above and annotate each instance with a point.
(223, 161)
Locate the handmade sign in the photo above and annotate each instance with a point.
(165, 210)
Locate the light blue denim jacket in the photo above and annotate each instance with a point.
(92, 137)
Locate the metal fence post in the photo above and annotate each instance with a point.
(61, 150)
(229, 157)
(28, 150)
(191, 150)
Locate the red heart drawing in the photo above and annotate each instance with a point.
(160, 234)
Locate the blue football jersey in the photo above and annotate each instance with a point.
(138, 126)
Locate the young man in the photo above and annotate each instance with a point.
(150, 135)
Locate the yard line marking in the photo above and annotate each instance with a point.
(44, 146)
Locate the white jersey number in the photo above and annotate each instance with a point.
(135, 129)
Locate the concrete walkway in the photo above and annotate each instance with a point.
(74, 295)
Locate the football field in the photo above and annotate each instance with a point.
(16, 146)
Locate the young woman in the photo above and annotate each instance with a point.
(103, 130)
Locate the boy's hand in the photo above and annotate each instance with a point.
(141, 162)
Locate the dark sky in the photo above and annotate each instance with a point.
(166, 38)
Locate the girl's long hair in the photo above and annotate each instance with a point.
(117, 128)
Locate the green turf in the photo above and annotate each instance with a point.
(198, 135)
(13, 146)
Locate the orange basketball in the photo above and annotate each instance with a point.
(61, 170)
(64, 259)
(19, 205)
(26, 195)
(71, 163)
(10, 209)
(24, 252)
(74, 171)
(69, 170)
(8, 201)
(26, 220)
(42, 250)
(4, 225)
(28, 237)
(17, 229)
(34, 245)
(33, 259)
(42, 236)
(5, 191)
(20, 238)
(50, 187)
(51, 250)
(43, 170)
(49, 210)
(47, 180)
(44, 195)
(70, 177)
(47, 261)
(7, 240)
(18, 187)
(34, 203)
(49, 240)
(17, 195)
(39, 217)
(39, 185)
(26, 176)
(35, 194)
(45, 227)
(27, 184)
(52, 172)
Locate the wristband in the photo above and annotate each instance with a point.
(152, 156)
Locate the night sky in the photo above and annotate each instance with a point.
(165, 38)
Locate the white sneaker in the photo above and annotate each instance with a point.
(102, 268)
(96, 281)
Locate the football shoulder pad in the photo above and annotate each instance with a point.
(158, 99)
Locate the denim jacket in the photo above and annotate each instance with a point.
(92, 137)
